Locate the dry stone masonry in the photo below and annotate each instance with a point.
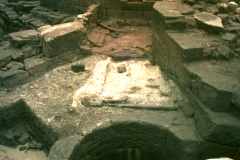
(121, 79)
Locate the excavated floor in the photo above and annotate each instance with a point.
(132, 83)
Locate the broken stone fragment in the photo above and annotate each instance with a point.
(15, 65)
(21, 148)
(224, 51)
(97, 39)
(35, 145)
(5, 58)
(224, 18)
(232, 6)
(29, 51)
(186, 10)
(208, 21)
(13, 77)
(122, 68)
(86, 50)
(24, 138)
(229, 37)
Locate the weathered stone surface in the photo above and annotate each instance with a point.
(169, 17)
(229, 37)
(216, 93)
(187, 109)
(24, 138)
(63, 38)
(234, 29)
(52, 18)
(97, 39)
(186, 10)
(15, 65)
(208, 21)
(12, 15)
(5, 58)
(31, 22)
(224, 51)
(34, 65)
(220, 128)
(29, 51)
(24, 37)
(232, 6)
(191, 49)
(224, 18)
(86, 49)
(59, 149)
(4, 45)
(191, 22)
(13, 77)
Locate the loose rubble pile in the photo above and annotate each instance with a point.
(30, 35)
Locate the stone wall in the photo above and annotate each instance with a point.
(110, 9)
(173, 50)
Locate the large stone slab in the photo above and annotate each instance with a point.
(168, 16)
(191, 48)
(13, 77)
(215, 84)
(208, 21)
(221, 128)
(63, 38)
(24, 37)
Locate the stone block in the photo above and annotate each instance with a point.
(209, 22)
(24, 37)
(35, 65)
(13, 77)
(229, 37)
(168, 17)
(59, 149)
(63, 38)
(221, 128)
(190, 48)
(5, 58)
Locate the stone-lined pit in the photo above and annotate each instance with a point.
(120, 141)
(20, 125)
(123, 141)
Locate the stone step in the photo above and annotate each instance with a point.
(216, 84)
(168, 17)
(32, 22)
(49, 16)
(217, 127)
